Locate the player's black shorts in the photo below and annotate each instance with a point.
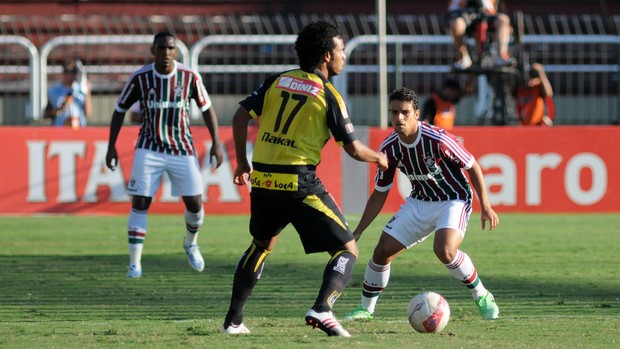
(316, 217)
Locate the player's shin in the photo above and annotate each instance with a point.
(335, 277)
(136, 232)
(247, 273)
(193, 222)
(375, 281)
(463, 269)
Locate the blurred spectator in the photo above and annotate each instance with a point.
(69, 101)
(534, 98)
(439, 109)
(463, 15)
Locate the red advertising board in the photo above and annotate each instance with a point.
(531, 169)
(58, 170)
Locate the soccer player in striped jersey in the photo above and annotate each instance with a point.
(298, 110)
(164, 90)
(440, 201)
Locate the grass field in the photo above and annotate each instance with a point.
(62, 285)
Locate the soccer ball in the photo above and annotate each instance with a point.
(428, 312)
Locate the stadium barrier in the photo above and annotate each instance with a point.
(559, 169)
(583, 70)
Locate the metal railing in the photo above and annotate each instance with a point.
(411, 59)
(47, 48)
(31, 69)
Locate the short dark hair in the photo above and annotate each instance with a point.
(314, 40)
(163, 35)
(70, 66)
(404, 94)
(452, 83)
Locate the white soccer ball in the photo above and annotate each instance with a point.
(428, 312)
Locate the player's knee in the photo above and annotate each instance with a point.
(141, 203)
(193, 203)
(382, 256)
(445, 254)
(351, 246)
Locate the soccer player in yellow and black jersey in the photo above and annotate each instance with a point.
(298, 110)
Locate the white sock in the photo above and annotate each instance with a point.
(375, 280)
(193, 222)
(463, 269)
(136, 232)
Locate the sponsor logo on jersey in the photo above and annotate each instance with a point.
(164, 104)
(431, 176)
(269, 138)
(274, 181)
(293, 84)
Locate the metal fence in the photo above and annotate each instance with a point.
(235, 53)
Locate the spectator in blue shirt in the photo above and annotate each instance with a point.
(69, 101)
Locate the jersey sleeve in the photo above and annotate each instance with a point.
(129, 95)
(200, 94)
(255, 101)
(338, 120)
(384, 179)
(453, 151)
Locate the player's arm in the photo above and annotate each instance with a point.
(210, 118)
(361, 152)
(240, 136)
(487, 213)
(373, 208)
(111, 158)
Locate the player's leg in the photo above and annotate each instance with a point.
(136, 232)
(322, 227)
(146, 172)
(247, 273)
(451, 228)
(377, 274)
(186, 181)
(194, 217)
(265, 228)
(408, 227)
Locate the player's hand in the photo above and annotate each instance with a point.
(111, 158)
(382, 163)
(488, 214)
(216, 153)
(242, 174)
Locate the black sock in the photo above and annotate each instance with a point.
(335, 277)
(247, 273)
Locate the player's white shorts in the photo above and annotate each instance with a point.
(417, 219)
(149, 166)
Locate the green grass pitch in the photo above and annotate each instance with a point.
(62, 285)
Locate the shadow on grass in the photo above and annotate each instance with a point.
(74, 288)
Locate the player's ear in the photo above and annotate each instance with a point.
(327, 56)
(153, 50)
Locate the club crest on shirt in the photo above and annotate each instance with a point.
(430, 161)
(178, 90)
